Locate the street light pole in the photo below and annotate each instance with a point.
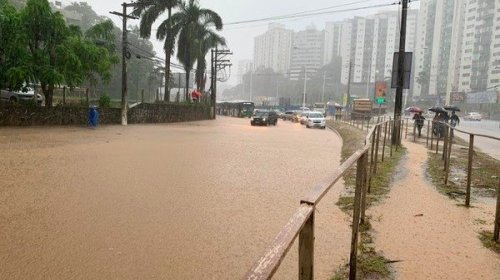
(251, 85)
(305, 86)
(348, 86)
(323, 95)
(277, 92)
(368, 81)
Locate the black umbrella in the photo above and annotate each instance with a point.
(452, 108)
(437, 109)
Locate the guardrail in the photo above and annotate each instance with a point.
(301, 223)
(448, 136)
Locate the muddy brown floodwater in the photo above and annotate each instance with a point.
(200, 200)
(430, 236)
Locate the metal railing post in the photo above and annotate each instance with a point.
(448, 157)
(306, 250)
(376, 148)
(365, 188)
(445, 144)
(496, 231)
(371, 163)
(469, 169)
(406, 130)
(428, 126)
(414, 132)
(355, 219)
(390, 133)
(437, 145)
(383, 146)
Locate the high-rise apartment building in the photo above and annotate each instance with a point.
(272, 49)
(307, 52)
(439, 34)
(480, 49)
(369, 43)
(333, 41)
(244, 66)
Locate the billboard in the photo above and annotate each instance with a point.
(457, 97)
(380, 89)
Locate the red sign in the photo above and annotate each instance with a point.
(380, 89)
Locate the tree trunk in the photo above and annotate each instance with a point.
(168, 53)
(187, 85)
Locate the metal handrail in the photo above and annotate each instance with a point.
(302, 221)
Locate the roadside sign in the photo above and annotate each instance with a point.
(380, 100)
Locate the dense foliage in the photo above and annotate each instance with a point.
(38, 47)
(187, 24)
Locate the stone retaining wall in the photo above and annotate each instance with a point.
(21, 115)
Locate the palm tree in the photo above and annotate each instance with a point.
(150, 11)
(193, 24)
(208, 40)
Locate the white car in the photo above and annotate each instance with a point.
(316, 119)
(26, 94)
(473, 116)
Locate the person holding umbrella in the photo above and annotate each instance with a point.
(454, 119)
(419, 122)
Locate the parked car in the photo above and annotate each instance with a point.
(288, 115)
(264, 118)
(473, 116)
(26, 94)
(315, 119)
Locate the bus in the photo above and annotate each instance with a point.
(240, 109)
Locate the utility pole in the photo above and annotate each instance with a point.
(218, 63)
(349, 86)
(125, 54)
(396, 135)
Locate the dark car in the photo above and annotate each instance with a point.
(264, 118)
(288, 115)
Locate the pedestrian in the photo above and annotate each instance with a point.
(419, 122)
(194, 96)
(454, 119)
(93, 117)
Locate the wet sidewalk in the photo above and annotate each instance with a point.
(428, 235)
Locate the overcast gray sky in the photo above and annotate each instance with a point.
(240, 37)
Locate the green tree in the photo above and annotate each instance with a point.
(207, 40)
(150, 11)
(45, 31)
(58, 53)
(190, 21)
(14, 66)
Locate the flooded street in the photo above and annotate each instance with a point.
(199, 200)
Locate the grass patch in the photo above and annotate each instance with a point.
(370, 265)
(484, 171)
(486, 238)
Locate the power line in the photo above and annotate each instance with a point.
(154, 57)
(297, 15)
